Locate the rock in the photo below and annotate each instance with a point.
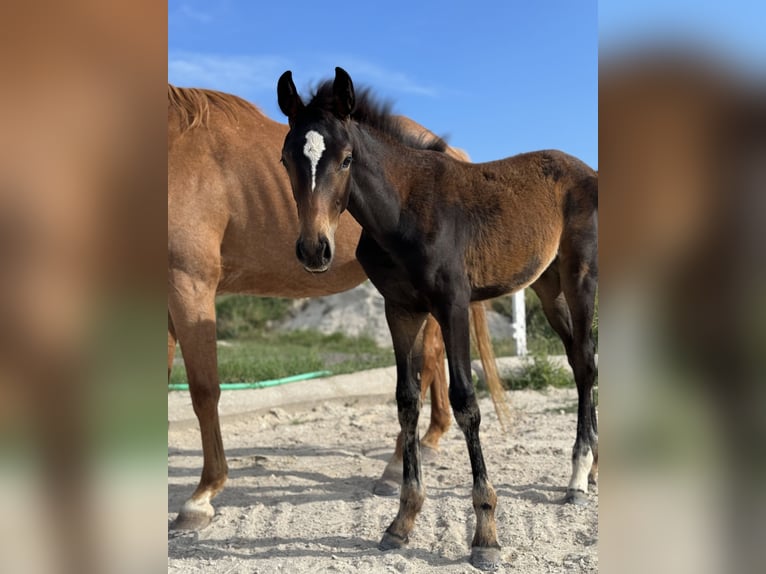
(360, 312)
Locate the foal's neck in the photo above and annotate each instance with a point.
(382, 178)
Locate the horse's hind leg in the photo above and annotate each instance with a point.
(435, 378)
(407, 336)
(192, 306)
(579, 280)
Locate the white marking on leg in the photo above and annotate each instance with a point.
(200, 505)
(313, 150)
(580, 469)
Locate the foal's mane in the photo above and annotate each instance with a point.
(193, 105)
(370, 111)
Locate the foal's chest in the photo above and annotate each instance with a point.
(401, 281)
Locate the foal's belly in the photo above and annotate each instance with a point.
(516, 280)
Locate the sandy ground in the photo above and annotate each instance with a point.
(299, 500)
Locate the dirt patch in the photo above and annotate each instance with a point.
(299, 498)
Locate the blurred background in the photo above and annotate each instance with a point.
(682, 150)
(82, 218)
(682, 159)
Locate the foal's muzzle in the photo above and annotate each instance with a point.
(315, 256)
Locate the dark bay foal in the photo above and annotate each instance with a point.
(437, 234)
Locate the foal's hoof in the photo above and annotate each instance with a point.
(385, 487)
(193, 516)
(485, 558)
(392, 542)
(577, 497)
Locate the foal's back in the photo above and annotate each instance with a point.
(515, 212)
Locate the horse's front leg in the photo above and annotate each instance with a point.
(192, 306)
(407, 336)
(485, 550)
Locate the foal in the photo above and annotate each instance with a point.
(437, 234)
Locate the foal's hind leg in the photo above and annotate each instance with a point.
(548, 289)
(433, 377)
(407, 336)
(579, 280)
(192, 306)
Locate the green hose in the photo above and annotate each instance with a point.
(257, 384)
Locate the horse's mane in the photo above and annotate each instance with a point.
(371, 111)
(193, 104)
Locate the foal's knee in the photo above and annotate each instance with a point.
(467, 415)
(408, 405)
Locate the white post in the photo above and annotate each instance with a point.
(519, 324)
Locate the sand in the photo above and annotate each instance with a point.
(299, 495)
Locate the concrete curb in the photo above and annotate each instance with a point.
(375, 384)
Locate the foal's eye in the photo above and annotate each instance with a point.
(346, 162)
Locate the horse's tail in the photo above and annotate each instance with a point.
(487, 355)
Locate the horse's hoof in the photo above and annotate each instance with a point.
(385, 487)
(190, 521)
(485, 558)
(577, 497)
(428, 454)
(193, 516)
(392, 542)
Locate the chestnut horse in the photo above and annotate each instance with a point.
(437, 234)
(231, 229)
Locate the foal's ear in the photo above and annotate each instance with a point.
(289, 101)
(342, 94)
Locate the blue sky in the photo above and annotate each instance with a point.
(496, 77)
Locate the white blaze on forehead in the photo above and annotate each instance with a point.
(313, 150)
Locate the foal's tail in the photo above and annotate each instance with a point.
(487, 355)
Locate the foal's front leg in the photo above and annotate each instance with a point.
(485, 550)
(433, 376)
(407, 336)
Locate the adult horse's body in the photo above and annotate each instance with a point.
(231, 229)
(438, 234)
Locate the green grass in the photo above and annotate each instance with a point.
(240, 316)
(275, 355)
(255, 352)
(539, 373)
